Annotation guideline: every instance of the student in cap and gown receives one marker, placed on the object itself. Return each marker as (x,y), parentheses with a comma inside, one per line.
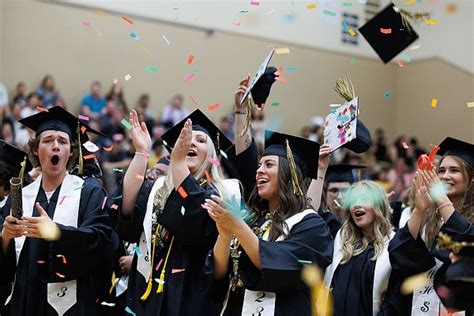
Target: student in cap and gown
(165,217)
(447,209)
(260,273)
(54,273)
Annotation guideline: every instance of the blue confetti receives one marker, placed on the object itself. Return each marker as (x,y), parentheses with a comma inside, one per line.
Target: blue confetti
(138,251)
(134,36)
(128,310)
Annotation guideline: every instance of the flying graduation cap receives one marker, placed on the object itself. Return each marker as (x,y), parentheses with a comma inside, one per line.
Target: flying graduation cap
(389,32)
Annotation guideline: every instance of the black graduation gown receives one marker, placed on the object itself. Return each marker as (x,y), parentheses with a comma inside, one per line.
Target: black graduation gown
(331,220)
(81,246)
(281,264)
(186,292)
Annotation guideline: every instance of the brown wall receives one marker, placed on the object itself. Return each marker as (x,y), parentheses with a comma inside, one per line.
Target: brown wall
(44,38)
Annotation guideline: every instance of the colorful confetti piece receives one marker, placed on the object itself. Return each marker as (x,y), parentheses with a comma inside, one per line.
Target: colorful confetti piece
(255,2)
(282,50)
(405,57)
(414,282)
(329,13)
(159,264)
(189,77)
(347,4)
(86,23)
(410,2)
(103,202)
(281,79)
(108,148)
(62,257)
(114,206)
(117,170)
(305,261)
(193,100)
(351,32)
(311,6)
(431,22)
(60,275)
(151,69)
(41,109)
(434,103)
(400,63)
(177,270)
(213,107)
(138,251)
(275,104)
(127,77)
(182,192)
(167,41)
(90,146)
(91,156)
(107,304)
(387,94)
(386,31)
(83,117)
(40,261)
(405,145)
(126,124)
(213,161)
(190,59)
(353,61)
(223,154)
(128,310)
(127,19)
(291,69)
(134,36)
(415,47)
(470,104)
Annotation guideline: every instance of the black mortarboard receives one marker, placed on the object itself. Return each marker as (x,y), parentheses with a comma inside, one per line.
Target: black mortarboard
(13,156)
(164,160)
(57,119)
(200,123)
(455,147)
(362,142)
(341,173)
(305,152)
(388,44)
(262,82)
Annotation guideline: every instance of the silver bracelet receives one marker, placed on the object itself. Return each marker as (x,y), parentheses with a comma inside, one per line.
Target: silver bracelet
(139,153)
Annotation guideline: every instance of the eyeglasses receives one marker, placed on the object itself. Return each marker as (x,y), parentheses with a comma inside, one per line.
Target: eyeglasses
(336,191)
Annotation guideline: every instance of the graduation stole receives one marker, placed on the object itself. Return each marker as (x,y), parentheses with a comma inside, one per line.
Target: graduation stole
(60,295)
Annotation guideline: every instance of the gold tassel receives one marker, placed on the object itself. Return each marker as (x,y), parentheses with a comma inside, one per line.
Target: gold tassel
(150,279)
(414,17)
(114,281)
(294,176)
(345,88)
(22,170)
(161,284)
(249,116)
(148,289)
(81,162)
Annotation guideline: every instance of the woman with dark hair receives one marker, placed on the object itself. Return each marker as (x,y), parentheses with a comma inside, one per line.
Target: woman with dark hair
(116,94)
(47,91)
(262,266)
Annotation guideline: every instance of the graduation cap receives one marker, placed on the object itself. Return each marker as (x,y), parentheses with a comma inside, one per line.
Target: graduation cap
(454,282)
(341,173)
(455,147)
(389,32)
(299,151)
(261,82)
(13,156)
(200,123)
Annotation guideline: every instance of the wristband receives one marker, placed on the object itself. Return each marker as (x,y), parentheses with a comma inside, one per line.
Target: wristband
(444,205)
(139,153)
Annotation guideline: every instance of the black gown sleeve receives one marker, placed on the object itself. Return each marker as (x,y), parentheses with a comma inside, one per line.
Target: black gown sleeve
(458,227)
(246,164)
(7,260)
(282,261)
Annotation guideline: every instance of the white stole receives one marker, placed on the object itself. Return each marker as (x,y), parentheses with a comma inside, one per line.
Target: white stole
(381,273)
(262,303)
(62,295)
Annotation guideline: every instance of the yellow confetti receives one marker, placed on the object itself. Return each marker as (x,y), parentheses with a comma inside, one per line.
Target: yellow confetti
(434,103)
(431,22)
(415,47)
(410,2)
(351,32)
(414,282)
(470,104)
(282,51)
(311,6)
(320,296)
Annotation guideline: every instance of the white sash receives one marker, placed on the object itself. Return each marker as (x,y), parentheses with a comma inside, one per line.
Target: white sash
(61,296)
(426,301)
(381,273)
(263,303)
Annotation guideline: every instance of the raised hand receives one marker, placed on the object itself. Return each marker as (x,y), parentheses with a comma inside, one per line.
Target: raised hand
(324,152)
(435,186)
(181,148)
(422,199)
(40,226)
(244,83)
(139,133)
(227,223)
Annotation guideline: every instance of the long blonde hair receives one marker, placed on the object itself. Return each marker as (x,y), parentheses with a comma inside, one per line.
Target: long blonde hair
(353,240)
(465,205)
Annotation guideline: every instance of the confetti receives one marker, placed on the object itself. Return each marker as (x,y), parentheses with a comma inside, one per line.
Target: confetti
(151,69)
(108,148)
(470,104)
(387,94)
(213,107)
(282,51)
(167,41)
(83,129)
(103,202)
(90,146)
(114,206)
(330,13)
(353,61)
(40,261)
(60,275)
(115,81)
(236,23)
(410,2)
(255,2)
(127,77)
(208,176)
(434,103)
(193,100)
(190,59)
(117,197)
(244,11)
(138,251)
(223,154)
(347,4)
(414,282)
(134,36)
(128,310)
(39,108)
(345,26)
(311,6)
(275,104)
(386,31)
(127,19)
(213,161)
(83,117)
(405,145)
(291,68)
(62,200)
(406,58)
(159,264)
(400,63)
(305,261)
(351,32)
(126,124)
(117,170)
(159,281)
(189,77)
(177,270)
(415,47)
(431,22)
(86,23)
(140,177)
(281,79)
(107,304)
(451,8)
(62,257)
(182,192)
(87,157)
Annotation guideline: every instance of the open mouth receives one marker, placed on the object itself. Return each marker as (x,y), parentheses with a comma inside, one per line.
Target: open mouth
(359,214)
(262,181)
(55,160)
(192,153)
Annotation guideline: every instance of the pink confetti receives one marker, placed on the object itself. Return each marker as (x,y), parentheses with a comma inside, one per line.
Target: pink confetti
(60,275)
(213,161)
(103,203)
(405,145)
(281,79)
(189,77)
(62,257)
(40,261)
(400,63)
(114,206)
(255,2)
(83,117)
(177,270)
(62,200)
(193,100)
(159,264)
(86,23)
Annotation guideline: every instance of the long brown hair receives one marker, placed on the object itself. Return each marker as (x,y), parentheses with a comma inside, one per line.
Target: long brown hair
(33,145)
(465,205)
(288,203)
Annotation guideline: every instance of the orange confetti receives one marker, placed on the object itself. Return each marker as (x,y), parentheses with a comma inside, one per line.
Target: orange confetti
(208,176)
(39,108)
(281,79)
(177,270)
(190,59)
(386,31)
(83,129)
(182,192)
(213,107)
(60,275)
(400,63)
(127,19)
(62,257)
(91,156)
(193,100)
(108,148)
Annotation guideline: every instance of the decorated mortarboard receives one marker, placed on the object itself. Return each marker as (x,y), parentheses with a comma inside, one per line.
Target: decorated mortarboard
(389,32)
(299,151)
(13,156)
(200,123)
(455,147)
(341,173)
(454,282)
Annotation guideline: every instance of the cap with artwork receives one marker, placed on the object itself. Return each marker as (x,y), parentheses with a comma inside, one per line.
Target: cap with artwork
(455,147)
(341,173)
(389,32)
(200,123)
(13,156)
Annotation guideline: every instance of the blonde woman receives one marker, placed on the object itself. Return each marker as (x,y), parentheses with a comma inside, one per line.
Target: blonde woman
(360,268)
(166,219)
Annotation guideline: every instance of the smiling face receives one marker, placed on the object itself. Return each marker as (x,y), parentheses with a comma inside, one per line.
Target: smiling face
(198,151)
(450,172)
(267,178)
(54,151)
